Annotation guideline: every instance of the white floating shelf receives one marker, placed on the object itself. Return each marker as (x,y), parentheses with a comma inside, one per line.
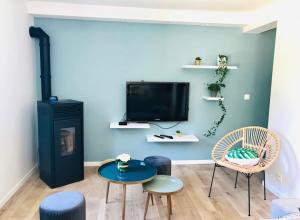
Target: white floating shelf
(208,98)
(183,138)
(206,67)
(129,125)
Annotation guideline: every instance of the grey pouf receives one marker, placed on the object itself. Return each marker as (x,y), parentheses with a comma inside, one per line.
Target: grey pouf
(63,206)
(162,164)
(283,207)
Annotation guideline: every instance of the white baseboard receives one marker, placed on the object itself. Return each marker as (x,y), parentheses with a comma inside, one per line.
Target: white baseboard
(4,200)
(190,162)
(92,163)
(174,162)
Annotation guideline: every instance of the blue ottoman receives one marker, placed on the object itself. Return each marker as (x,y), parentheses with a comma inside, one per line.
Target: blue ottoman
(162,164)
(63,206)
(283,207)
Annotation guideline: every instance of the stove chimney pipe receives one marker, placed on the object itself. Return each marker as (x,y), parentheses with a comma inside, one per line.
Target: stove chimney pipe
(38,33)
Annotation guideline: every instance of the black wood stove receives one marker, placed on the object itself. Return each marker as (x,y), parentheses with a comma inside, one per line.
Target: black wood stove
(60,127)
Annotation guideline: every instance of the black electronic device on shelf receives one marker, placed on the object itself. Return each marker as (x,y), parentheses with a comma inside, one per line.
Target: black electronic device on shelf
(60,127)
(123,123)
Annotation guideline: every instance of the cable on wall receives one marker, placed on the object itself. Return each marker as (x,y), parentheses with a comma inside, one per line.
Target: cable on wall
(177,123)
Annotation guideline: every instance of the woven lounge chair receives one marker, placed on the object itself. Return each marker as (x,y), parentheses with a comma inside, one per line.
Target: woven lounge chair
(265,142)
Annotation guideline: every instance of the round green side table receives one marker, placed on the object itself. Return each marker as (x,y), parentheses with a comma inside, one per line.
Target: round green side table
(162,185)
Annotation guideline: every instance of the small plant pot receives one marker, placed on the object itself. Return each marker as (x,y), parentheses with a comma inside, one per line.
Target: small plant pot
(214,93)
(197,62)
(122,166)
(178,134)
(222,61)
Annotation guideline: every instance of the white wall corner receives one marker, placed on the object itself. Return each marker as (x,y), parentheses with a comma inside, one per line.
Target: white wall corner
(14,189)
(18,118)
(260,27)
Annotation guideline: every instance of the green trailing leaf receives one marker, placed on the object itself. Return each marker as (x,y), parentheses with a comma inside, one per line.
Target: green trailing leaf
(221,71)
(216,86)
(212,131)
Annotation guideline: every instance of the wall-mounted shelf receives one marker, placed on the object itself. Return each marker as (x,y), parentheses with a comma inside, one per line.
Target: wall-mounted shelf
(183,138)
(206,67)
(129,125)
(208,98)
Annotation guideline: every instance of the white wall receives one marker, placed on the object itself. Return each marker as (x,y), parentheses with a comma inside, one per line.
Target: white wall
(133,14)
(17,97)
(284,177)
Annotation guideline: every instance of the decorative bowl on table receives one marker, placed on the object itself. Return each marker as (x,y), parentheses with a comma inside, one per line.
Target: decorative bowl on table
(122,162)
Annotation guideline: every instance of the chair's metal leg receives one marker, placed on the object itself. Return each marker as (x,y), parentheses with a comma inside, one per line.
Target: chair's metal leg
(248,177)
(265,196)
(236,178)
(212,179)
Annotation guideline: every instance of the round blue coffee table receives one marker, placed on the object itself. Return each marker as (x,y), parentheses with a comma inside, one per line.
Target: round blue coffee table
(138,172)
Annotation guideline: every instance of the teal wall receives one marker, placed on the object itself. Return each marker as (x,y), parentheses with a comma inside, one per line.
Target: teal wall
(91,61)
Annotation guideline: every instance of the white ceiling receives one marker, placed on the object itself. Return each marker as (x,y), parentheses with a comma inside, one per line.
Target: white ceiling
(211,5)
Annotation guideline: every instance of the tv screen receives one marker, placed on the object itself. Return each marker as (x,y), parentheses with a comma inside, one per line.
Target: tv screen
(157,101)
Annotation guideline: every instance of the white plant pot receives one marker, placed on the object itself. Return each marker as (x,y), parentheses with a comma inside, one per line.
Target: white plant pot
(214,93)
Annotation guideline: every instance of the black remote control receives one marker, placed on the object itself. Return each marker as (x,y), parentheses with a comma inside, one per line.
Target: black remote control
(158,136)
(167,136)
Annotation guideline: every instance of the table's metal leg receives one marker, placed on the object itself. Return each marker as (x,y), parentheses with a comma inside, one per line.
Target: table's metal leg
(147,204)
(124,201)
(169,206)
(107,191)
(171,211)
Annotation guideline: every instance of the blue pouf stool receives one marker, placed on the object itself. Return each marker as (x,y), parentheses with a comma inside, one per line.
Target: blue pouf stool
(63,206)
(162,164)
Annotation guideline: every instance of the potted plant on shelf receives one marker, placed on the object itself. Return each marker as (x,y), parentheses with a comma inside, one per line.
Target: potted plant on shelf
(198,61)
(222,60)
(215,88)
(122,162)
(178,133)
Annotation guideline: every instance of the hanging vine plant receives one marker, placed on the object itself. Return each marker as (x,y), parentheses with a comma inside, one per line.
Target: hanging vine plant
(215,89)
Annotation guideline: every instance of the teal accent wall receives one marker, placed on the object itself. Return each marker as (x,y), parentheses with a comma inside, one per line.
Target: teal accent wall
(92,60)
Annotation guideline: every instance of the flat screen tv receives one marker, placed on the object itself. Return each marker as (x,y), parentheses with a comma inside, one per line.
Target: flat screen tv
(157,101)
